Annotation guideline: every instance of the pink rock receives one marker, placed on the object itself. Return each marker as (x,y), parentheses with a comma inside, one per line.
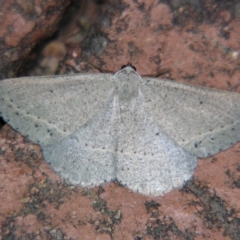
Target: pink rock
(199,46)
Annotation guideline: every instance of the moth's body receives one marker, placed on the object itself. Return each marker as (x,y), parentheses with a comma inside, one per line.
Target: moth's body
(144,132)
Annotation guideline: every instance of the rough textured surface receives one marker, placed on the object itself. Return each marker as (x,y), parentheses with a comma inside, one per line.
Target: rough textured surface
(23,25)
(199,42)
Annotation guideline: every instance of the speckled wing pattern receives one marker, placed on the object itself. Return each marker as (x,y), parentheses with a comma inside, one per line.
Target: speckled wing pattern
(144,132)
(47,109)
(202,120)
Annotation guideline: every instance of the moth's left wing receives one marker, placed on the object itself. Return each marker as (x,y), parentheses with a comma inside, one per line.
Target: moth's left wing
(202,120)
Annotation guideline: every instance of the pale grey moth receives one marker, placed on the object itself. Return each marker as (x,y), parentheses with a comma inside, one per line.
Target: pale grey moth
(144,132)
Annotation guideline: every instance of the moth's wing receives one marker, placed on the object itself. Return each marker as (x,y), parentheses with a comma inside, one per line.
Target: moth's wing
(87,157)
(148,161)
(47,109)
(202,120)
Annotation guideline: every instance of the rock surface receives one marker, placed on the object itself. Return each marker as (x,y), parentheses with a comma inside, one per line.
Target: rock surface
(198,43)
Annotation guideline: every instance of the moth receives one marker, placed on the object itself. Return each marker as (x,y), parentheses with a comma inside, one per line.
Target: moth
(147,133)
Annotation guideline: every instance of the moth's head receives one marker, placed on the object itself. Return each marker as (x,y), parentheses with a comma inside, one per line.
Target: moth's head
(129,65)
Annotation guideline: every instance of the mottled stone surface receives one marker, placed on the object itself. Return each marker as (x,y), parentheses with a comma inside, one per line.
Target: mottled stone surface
(23,25)
(198,43)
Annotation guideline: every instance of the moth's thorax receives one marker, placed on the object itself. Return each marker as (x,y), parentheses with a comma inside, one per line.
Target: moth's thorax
(127,81)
